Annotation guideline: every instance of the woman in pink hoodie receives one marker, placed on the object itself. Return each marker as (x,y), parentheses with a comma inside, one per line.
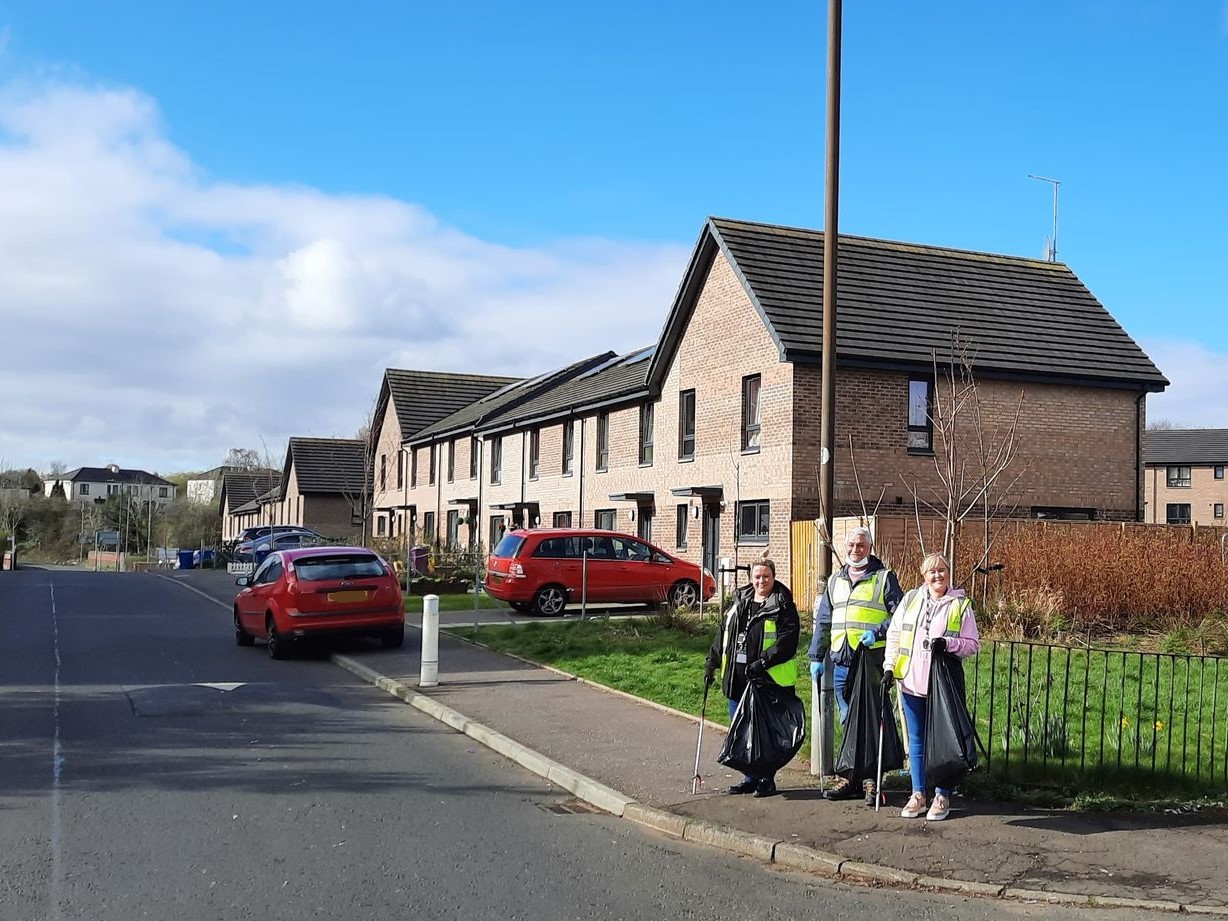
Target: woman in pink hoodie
(933,618)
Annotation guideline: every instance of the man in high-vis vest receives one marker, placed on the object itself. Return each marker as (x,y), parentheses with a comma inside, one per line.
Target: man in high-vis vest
(853,610)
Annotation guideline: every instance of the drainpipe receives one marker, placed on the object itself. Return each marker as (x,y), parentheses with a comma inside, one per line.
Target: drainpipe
(1138,456)
(580,474)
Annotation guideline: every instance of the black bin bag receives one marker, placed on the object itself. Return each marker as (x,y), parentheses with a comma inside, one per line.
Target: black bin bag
(950,737)
(767,730)
(869,707)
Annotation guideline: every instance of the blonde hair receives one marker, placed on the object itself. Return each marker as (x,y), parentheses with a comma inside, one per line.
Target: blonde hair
(932,560)
(764,561)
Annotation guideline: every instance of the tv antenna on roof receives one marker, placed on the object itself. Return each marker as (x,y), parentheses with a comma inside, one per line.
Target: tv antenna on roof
(1050,246)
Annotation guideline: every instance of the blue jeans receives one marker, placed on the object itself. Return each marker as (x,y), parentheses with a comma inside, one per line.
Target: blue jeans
(746,778)
(914,719)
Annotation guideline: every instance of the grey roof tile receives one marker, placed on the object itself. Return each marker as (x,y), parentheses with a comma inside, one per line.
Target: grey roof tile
(1188,447)
(422,398)
(326,464)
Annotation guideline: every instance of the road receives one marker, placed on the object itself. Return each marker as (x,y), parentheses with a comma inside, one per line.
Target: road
(153,769)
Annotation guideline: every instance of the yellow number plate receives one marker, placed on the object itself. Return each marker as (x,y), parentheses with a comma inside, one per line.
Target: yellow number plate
(347,596)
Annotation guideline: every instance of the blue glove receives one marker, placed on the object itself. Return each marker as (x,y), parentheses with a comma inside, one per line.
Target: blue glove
(816,671)
(869,638)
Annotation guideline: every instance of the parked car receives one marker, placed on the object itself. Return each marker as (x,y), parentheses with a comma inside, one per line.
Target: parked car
(279,539)
(543,570)
(319,592)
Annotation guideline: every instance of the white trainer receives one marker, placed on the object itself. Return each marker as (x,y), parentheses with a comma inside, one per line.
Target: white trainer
(915,807)
(939,810)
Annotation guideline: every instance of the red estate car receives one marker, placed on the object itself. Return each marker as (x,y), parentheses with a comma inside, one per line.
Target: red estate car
(319,591)
(542,569)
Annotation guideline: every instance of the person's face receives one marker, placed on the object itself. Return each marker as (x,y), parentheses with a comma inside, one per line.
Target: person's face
(937,579)
(763,580)
(858,547)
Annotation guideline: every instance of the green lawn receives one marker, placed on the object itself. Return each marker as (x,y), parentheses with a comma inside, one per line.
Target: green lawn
(456,603)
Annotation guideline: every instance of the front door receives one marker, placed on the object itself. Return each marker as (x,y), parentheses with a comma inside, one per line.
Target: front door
(712,535)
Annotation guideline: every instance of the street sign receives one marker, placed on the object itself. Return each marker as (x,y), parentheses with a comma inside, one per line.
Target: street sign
(108,538)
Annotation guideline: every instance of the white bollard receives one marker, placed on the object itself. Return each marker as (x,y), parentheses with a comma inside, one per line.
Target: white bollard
(428,674)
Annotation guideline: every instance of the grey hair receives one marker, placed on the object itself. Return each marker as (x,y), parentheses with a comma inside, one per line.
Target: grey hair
(864,532)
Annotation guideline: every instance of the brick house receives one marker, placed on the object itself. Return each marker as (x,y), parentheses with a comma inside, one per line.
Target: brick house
(324,482)
(244,499)
(710,438)
(1185,476)
(95,484)
(408,402)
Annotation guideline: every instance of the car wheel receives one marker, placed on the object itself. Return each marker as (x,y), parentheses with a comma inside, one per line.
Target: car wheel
(242,637)
(684,594)
(393,639)
(278,645)
(550,600)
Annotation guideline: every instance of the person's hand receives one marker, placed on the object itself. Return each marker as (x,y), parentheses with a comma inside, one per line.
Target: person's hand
(816,671)
(888,679)
(869,638)
(709,675)
(938,644)
(757,671)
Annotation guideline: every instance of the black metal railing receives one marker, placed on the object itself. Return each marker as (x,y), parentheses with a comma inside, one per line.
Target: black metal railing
(1058,714)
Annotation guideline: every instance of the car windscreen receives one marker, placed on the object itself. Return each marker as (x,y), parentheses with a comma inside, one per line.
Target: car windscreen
(508,546)
(338,566)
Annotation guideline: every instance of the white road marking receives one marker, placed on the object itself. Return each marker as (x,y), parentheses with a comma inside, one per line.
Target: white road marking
(57,766)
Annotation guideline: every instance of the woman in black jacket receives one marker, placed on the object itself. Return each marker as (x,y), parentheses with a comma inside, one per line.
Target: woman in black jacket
(757,642)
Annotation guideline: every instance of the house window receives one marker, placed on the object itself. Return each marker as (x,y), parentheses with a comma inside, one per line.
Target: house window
(920,425)
(753,521)
(1178,477)
(682,520)
(496,460)
(1219,473)
(429,534)
(686,425)
(646,420)
(383,471)
(430,474)
(604,518)
(1177,513)
(603,441)
(401,469)
(569,446)
(751,389)
(112,489)
(453,528)
(413,467)
(1219,509)
(562,519)
(475,451)
(451,460)
(83,489)
(163,492)
(381,525)
(535,453)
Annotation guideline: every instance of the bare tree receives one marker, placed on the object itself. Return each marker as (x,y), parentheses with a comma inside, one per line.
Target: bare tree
(974,452)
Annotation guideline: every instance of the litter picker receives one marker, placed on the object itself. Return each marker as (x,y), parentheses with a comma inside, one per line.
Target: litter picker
(883,695)
(698,781)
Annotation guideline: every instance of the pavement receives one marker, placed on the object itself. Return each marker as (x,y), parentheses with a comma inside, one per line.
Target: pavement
(636,759)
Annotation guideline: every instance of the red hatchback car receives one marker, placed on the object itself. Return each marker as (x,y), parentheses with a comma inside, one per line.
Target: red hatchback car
(543,569)
(319,591)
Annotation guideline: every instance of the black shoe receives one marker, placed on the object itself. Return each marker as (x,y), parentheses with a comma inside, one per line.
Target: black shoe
(766,787)
(848,791)
(872,797)
(746,786)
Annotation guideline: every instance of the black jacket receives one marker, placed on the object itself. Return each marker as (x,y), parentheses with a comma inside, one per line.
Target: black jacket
(779,605)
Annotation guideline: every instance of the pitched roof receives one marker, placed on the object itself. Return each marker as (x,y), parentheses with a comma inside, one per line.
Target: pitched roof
(421,398)
(1190,447)
(118,475)
(326,464)
(242,487)
(481,414)
(900,303)
(622,378)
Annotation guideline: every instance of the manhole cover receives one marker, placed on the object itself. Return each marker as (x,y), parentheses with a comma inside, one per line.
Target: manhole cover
(568,807)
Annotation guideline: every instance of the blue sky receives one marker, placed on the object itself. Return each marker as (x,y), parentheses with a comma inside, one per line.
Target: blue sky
(323,190)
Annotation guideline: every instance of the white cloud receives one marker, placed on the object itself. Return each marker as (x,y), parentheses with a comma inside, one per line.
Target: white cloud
(156,318)
(1198,393)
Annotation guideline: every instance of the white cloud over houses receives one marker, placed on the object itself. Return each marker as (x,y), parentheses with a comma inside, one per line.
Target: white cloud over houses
(1198,393)
(156,317)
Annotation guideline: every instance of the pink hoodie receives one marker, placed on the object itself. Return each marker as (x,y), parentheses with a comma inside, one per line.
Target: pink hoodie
(968,643)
